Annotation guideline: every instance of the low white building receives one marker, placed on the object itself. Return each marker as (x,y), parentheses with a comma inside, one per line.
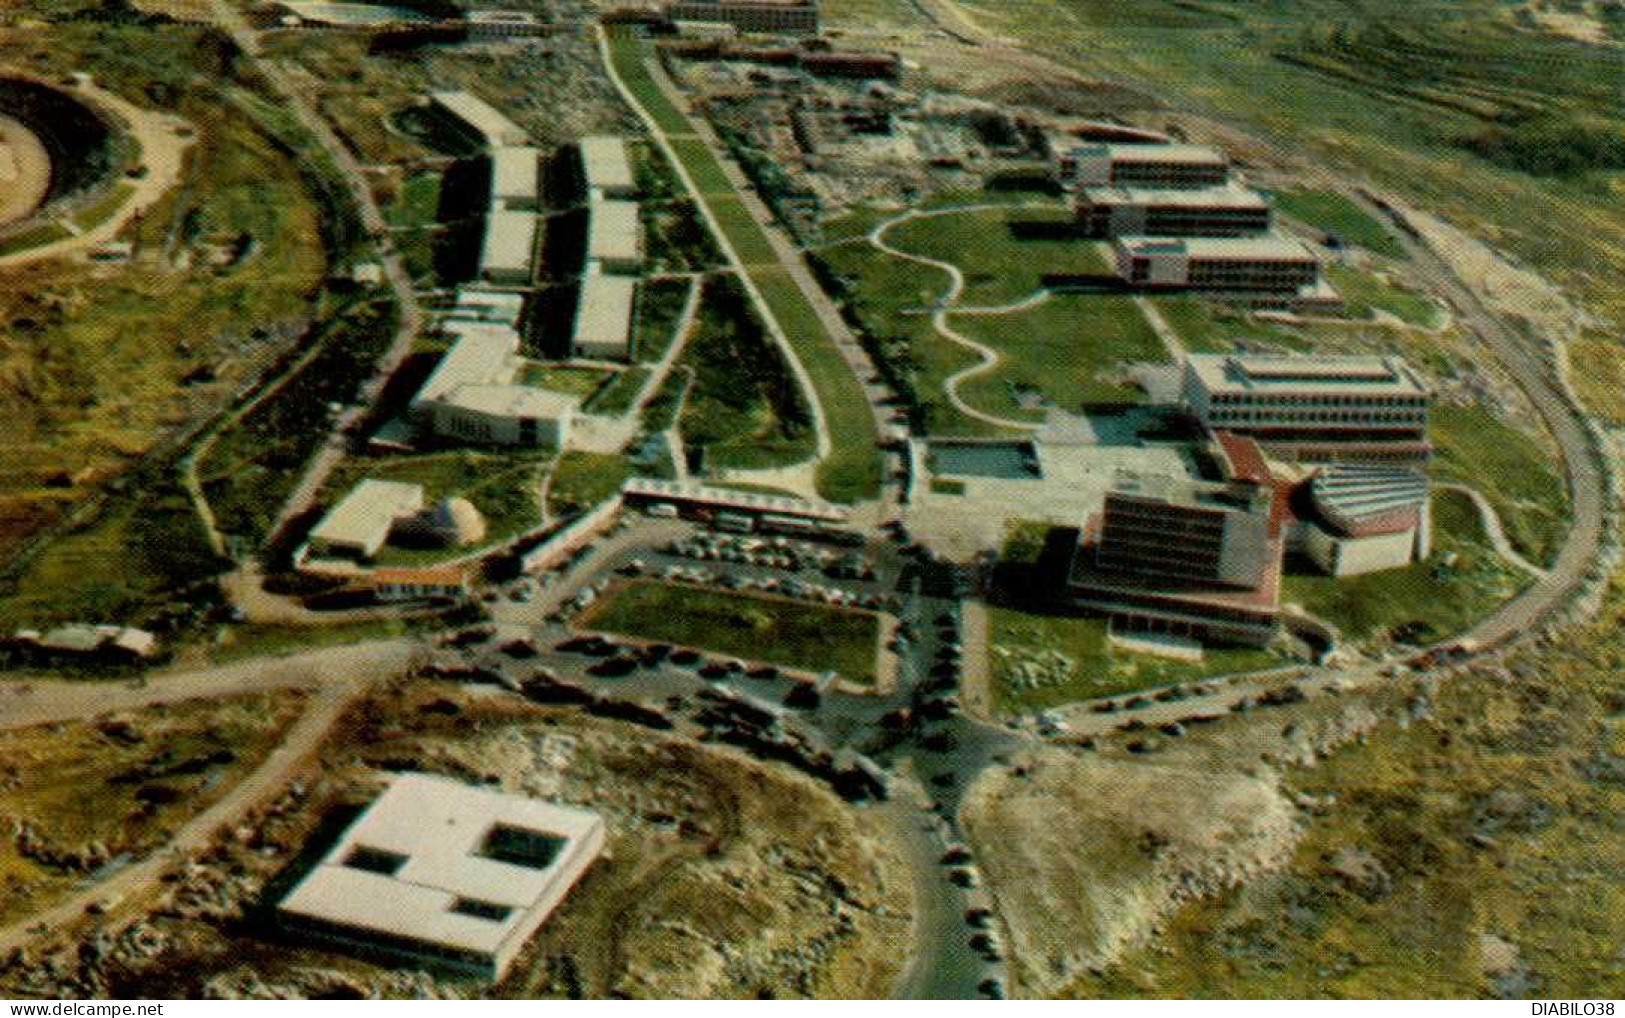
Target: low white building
(359,525)
(516,177)
(443,874)
(1368,518)
(509,253)
(607,167)
(498,307)
(603,325)
(479,118)
(471,395)
(615,236)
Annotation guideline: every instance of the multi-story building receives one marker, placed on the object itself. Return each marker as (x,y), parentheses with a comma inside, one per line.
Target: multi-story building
(1184,558)
(606,167)
(1271,263)
(788,17)
(1100,164)
(471,395)
(1313,407)
(1367,517)
(1228,211)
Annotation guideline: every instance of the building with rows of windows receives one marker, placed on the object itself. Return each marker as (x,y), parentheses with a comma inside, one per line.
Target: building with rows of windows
(790,17)
(1152,166)
(1229,211)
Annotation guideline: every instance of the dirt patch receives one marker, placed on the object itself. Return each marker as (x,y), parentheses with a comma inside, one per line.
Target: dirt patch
(25,171)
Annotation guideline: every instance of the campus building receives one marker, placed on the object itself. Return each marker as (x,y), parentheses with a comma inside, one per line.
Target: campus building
(789,17)
(1315,408)
(1229,211)
(1271,263)
(1184,558)
(508,255)
(471,396)
(516,177)
(478,120)
(442,874)
(606,168)
(614,235)
(360,524)
(1145,166)
(1367,517)
(603,325)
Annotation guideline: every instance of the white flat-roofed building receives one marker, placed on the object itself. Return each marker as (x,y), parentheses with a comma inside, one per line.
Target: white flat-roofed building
(516,176)
(495,413)
(1269,262)
(480,118)
(509,253)
(439,873)
(1099,164)
(496,307)
(603,325)
(1313,407)
(607,167)
(359,525)
(501,24)
(615,236)
(480,354)
(1229,211)
(796,17)
(704,500)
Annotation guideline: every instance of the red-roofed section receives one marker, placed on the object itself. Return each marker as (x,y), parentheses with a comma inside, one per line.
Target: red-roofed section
(1241,458)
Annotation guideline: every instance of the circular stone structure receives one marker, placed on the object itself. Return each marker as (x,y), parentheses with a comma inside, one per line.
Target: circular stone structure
(53,147)
(25,171)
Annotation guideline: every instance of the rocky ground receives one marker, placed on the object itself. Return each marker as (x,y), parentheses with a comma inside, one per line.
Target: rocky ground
(724,877)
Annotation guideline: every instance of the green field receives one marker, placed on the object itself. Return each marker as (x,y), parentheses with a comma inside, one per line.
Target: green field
(794,634)
(1005,253)
(1429,600)
(1064,350)
(660,305)
(1096,669)
(570,380)
(581,480)
(1364,293)
(1477,448)
(852,471)
(745,409)
(1207,326)
(1337,214)
(617,397)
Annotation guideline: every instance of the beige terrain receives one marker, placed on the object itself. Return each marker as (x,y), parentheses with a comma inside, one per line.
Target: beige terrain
(25,171)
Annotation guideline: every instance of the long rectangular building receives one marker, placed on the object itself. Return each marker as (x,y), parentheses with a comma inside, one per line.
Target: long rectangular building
(615,235)
(1203,212)
(516,176)
(603,325)
(508,255)
(479,118)
(789,17)
(606,166)
(1150,166)
(436,872)
(1271,262)
(1313,407)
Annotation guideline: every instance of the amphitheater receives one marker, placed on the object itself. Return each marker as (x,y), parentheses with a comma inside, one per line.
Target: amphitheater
(25,171)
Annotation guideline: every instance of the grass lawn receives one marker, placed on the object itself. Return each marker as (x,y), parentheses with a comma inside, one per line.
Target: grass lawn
(1092,668)
(1429,599)
(572,381)
(1598,375)
(581,480)
(853,223)
(1064,349)
(1207,326)
(1364,293)
(660,304)
(794,634)
(417,203)
(1334,213)
(92,216)
(1005,254)
(853,470)
(616,398)
(1475,447)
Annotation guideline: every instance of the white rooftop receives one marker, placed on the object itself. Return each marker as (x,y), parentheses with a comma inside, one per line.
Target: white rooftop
(1361,375)
(483,354)
(364,515)
(605,162)
(1264,247)
(435,834)
(507,400)
(1118,152)
(498,306)
(480,115)
(1228,196)
(614,232)
(604,312)
(510,241)
(516,172)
